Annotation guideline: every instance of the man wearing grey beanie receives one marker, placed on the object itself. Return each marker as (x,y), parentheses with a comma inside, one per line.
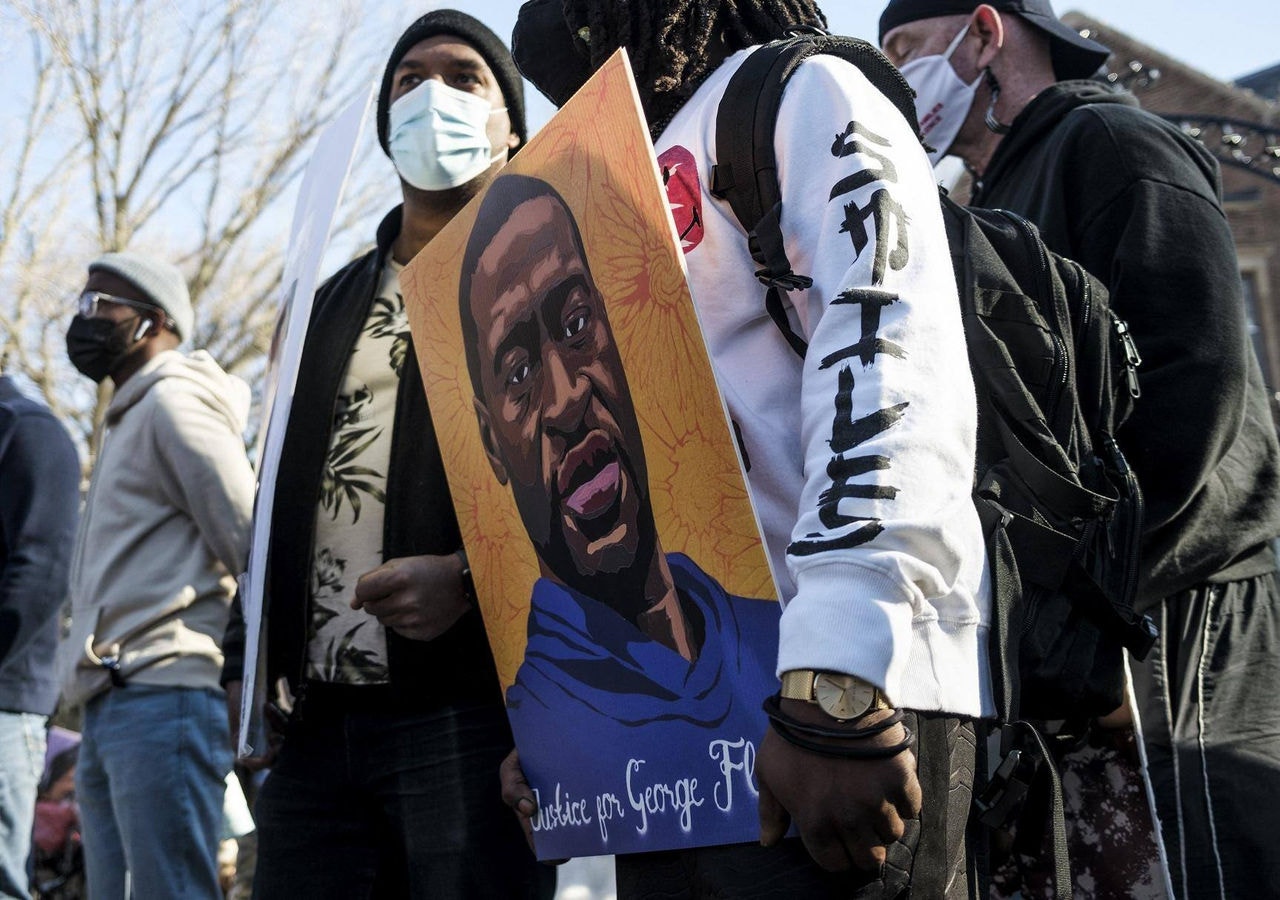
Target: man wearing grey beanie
(165,527)
(385,776)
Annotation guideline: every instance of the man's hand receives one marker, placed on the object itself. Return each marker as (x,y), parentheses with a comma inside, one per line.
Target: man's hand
(275,723)
(517,794)
(1121,717)
(847,810)
(418,597)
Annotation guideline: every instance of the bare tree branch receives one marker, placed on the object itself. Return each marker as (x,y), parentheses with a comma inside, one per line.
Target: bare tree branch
(176,127)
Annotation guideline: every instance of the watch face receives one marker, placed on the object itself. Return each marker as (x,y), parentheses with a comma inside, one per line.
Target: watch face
(843,696)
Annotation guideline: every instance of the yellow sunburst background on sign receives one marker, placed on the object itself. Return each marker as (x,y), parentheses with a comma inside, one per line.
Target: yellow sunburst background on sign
(595,152)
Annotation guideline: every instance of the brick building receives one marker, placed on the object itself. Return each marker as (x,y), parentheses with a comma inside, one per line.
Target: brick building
(1240,124)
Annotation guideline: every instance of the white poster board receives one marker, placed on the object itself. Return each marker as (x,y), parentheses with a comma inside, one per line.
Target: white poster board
(318,197)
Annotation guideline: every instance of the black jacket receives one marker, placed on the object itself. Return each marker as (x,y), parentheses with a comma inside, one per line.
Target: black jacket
(457,666)
(39,505)
(1138,203)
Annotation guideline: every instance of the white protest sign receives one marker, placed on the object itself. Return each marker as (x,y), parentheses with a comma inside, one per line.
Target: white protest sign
(318,197)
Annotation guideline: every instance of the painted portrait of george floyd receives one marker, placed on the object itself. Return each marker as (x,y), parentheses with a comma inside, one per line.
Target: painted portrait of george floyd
(617,560)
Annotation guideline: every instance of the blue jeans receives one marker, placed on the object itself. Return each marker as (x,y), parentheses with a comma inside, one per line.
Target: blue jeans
(22,740)
(386,804)
(150,783)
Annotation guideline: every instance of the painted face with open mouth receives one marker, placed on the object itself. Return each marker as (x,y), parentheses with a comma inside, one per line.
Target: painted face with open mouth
(556,413)
(590,480)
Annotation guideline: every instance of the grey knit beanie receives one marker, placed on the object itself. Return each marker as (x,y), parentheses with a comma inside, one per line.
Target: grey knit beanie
(161,282)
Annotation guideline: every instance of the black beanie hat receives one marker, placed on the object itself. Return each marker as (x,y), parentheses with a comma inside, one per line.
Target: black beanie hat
(1074,56)
(475,33)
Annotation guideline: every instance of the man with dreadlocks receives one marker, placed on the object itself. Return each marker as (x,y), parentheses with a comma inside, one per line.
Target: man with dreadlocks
(859,452)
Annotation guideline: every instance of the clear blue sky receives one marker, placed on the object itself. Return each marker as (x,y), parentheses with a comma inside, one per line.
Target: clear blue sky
(1225,40)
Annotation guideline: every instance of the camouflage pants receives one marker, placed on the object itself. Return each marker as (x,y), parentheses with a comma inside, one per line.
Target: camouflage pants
(1110,835)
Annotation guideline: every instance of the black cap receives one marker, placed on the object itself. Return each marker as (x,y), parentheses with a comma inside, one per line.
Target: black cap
(1074,56)
(475,33)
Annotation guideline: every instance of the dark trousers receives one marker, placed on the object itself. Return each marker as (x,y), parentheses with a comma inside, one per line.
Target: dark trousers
(931,862)
(1209,698)
(381,804)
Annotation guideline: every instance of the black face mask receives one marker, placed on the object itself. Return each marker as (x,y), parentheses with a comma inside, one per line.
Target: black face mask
(547,53)
(97,346)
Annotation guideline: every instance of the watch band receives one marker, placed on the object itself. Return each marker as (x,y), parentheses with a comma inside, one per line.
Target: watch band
(797,684)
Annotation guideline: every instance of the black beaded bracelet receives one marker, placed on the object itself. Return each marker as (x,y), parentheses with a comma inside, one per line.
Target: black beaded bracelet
(846,751)
(773,709)
(798,733)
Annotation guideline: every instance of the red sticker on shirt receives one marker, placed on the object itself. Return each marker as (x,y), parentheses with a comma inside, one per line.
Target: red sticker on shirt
(684,194)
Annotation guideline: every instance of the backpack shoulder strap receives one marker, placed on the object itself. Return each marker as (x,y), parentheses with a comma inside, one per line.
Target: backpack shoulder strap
(746,170)
(745,174)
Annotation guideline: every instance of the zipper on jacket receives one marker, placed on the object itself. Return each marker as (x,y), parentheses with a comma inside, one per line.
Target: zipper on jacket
(1051,413)
(311,540)
(1086,312)
(1131,358)
(1084,346)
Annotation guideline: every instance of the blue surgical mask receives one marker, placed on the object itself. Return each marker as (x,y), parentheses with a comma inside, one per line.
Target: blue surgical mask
(439,136)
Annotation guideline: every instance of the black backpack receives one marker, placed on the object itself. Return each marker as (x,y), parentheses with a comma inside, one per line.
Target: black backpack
(1054,370)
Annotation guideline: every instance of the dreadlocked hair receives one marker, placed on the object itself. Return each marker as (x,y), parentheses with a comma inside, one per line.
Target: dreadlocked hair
(672,43)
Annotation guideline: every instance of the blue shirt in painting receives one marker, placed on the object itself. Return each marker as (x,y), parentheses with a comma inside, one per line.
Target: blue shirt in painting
(629,746)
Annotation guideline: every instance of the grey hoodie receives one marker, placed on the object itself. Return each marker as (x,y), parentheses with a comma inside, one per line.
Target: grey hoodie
(164,529)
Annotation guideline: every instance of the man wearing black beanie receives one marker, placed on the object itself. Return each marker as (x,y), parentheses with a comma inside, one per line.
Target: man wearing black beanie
(384,777)
(1138,203)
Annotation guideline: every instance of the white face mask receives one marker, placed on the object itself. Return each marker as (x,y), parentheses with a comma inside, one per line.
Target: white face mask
(439,136)
(943,101)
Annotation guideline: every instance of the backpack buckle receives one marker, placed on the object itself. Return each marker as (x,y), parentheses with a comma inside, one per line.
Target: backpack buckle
(805,31)
(1142,637)
(1007,790)
(788,281)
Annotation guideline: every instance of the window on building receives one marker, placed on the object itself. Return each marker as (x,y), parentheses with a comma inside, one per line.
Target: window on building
(1249,278)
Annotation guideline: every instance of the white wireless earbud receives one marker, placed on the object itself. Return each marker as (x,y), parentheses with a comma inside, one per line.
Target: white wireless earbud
(144,329)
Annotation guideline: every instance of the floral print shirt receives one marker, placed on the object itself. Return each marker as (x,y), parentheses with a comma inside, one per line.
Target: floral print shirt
(345,645)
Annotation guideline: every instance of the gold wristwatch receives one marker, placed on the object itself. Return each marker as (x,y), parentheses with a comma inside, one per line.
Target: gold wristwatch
(843,697)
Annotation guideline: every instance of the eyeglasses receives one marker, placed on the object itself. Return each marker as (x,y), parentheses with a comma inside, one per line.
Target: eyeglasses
(90,300)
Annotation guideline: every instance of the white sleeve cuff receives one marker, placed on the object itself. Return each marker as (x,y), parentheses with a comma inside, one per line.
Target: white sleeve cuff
(856,621)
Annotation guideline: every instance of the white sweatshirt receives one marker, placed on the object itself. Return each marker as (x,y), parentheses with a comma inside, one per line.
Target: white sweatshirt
(860,460)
